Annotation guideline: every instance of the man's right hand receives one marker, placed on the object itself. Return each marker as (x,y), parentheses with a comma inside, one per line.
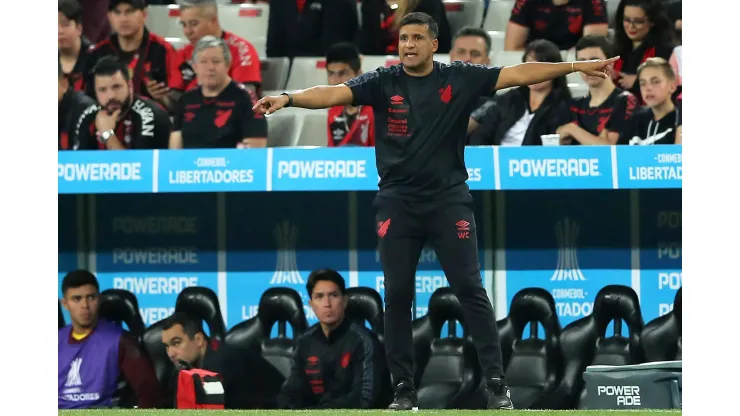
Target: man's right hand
(270,104)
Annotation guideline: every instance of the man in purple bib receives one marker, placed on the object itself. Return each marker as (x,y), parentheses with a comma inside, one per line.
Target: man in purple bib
(94,353)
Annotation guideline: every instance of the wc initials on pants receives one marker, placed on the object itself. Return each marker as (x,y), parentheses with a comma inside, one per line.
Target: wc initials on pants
(463,229)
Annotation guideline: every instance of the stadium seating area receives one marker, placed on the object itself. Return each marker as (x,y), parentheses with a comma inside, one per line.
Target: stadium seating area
(544,369)
(297,127)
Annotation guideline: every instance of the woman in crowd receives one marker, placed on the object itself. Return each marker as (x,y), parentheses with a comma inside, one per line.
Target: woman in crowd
(519,116)
(643,31)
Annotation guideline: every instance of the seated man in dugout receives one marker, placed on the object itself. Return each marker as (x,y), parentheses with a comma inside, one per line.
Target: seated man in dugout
(249,381)
(338,364)
(95,354)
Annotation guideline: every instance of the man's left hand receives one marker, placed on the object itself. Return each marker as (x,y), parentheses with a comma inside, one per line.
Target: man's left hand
(596,67)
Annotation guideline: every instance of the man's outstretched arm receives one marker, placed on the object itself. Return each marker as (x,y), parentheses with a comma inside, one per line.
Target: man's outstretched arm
(322,96)
(535,72)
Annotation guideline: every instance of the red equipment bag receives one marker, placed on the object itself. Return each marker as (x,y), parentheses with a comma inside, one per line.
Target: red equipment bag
(199,389)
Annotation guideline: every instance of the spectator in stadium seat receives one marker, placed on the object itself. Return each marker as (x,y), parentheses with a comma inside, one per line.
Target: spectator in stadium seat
(519,116)
(249,381)
(71,104)
(600,116)
(347,125)
(95,353)
(380,18)
(309,27)
(73,47)
(562,22)
(200,18)
(472,44)
(120,119)
(153,63)
(338,364)
(643,31)
(659,121)
(219,112)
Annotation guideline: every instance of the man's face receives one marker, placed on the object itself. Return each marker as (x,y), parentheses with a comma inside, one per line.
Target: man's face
(470,49)
(416,46)
(82,303)
(180,347)
(587,54)
(210,67)
(339,72)
(328,303)
(656,88)
(195,25)
(112,91)
(69,31)
(126,20)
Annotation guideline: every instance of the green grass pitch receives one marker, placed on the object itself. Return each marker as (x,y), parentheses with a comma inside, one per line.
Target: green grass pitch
(142,412)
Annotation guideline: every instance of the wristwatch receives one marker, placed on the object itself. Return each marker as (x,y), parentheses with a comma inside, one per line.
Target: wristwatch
(290,99)
(104,136)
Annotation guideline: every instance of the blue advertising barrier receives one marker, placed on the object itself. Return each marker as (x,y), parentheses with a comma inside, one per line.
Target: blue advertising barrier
(218,225)
(353,169)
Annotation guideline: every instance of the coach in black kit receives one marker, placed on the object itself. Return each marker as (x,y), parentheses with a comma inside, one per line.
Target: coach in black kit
(421,112)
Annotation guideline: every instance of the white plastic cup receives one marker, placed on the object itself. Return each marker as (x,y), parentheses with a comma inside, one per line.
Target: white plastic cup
(550,139)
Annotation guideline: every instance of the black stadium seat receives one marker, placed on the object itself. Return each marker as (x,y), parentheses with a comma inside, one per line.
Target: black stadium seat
(202,302)
(121,306)
(450,373)
(281,306)
(661,338)
(366,305)
(151,341)
(534,366)
(585,342)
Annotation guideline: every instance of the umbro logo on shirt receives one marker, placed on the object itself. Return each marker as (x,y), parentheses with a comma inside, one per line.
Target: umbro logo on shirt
(396,99)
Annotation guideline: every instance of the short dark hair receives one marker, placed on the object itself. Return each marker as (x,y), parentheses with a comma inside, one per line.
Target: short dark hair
(79,278)
(419,18)
(136,4)
(344,53)
(596,41)
(190,325)
(330,275)
(474,31)
(109,65)
(71,9)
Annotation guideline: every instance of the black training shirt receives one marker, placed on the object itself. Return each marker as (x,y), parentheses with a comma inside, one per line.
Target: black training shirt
(613,114)
(345,370)
(562,25)
(421,126)
(644,129)
(222,121)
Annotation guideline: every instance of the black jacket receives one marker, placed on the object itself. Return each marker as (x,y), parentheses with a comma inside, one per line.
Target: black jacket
(249,381)
(495,118)
(70,108)
(321,24)
(344,371)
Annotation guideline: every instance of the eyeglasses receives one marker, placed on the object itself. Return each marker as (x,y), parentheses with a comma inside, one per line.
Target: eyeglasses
(634,22)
